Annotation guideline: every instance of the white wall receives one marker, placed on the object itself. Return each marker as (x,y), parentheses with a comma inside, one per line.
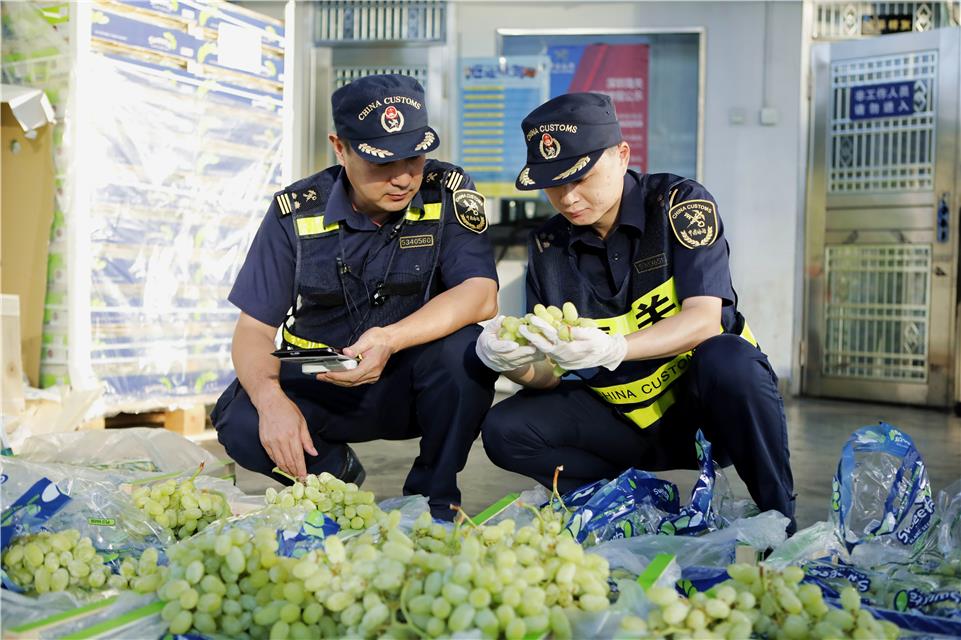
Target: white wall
(752,170)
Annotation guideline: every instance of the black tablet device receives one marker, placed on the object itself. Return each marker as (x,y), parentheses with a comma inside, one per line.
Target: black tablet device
(317,360)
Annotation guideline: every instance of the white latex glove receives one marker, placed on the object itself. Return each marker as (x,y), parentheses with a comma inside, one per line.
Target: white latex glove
(588,348)
(503,355)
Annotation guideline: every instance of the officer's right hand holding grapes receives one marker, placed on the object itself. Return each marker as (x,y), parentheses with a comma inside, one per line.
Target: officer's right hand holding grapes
(501,354)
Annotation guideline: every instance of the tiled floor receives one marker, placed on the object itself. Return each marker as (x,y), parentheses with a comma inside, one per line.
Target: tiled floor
(818,429)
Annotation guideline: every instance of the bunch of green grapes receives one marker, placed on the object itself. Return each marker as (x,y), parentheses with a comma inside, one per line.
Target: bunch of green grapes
(66,561)
(213,579)
(502,580)
(561,319)
(143,575)
(757,602)
(234,583)
(181,506)
(46,562)
(339,500)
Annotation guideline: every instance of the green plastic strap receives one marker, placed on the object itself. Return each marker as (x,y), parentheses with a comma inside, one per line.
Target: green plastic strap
(117,623)
(64,615)
(496,508)
(280,472)
(654,570)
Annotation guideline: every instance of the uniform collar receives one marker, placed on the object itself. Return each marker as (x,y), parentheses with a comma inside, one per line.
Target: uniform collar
(339,208)
(631,213)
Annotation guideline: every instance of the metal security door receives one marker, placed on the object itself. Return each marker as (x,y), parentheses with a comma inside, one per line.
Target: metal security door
(882,219)
(356,38)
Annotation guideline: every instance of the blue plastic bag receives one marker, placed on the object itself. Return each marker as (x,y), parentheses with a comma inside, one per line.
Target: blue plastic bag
(881,497)
(698,515)
(31,510)
(638,502)
(315,528)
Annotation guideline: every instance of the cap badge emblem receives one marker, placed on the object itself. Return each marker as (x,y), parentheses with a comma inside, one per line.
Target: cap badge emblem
(392,119)
(549,147)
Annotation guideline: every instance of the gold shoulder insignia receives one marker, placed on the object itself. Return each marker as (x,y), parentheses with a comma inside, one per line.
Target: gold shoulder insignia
(694,223)
(469,210)
(285,203)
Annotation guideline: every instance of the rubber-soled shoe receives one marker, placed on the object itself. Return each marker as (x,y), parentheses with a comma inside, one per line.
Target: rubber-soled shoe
(353,470)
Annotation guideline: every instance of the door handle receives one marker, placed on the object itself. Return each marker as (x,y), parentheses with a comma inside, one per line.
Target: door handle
(942,219)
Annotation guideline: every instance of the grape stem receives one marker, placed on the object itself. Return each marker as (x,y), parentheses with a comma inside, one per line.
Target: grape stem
(463,516)
(556,493)
(200,468)
(532,509)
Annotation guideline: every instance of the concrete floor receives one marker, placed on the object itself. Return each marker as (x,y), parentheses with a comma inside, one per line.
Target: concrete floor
(817,431)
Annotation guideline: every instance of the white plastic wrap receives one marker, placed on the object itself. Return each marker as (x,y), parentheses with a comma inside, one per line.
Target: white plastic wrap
(183,176)
(158,194)
(135,449)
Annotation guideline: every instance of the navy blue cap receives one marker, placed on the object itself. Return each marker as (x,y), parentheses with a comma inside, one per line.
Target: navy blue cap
(565,136)
(384,117)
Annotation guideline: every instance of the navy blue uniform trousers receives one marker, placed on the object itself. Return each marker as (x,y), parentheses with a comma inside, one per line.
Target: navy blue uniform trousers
(729,391)
(438,391)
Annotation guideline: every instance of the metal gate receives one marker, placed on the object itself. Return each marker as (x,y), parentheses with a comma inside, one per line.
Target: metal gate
(882,219)
(356,38)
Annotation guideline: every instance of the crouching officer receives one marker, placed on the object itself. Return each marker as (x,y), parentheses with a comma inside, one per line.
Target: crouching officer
(645,255)
(384,256)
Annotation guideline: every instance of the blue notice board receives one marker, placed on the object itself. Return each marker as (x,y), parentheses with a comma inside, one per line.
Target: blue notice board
(495,95)
(887,100)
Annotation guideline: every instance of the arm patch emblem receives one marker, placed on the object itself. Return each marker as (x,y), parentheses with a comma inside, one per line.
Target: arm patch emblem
(469,210)
(694,223)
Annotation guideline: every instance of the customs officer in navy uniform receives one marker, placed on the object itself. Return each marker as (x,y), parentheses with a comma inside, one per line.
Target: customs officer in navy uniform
(386,257)
(646,256)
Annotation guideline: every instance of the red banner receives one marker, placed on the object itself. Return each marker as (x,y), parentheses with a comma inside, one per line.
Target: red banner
(620,71)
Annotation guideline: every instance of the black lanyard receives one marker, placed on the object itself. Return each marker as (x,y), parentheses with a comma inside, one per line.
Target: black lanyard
(375,298)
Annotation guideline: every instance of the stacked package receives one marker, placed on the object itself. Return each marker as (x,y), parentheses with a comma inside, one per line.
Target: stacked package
(161,188)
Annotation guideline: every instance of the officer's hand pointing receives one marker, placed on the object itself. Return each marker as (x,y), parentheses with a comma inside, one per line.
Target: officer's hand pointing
(588,348)
(284,435)
(374,349)
(503,355)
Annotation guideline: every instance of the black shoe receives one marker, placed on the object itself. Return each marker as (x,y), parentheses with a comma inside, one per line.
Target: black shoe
(353,470)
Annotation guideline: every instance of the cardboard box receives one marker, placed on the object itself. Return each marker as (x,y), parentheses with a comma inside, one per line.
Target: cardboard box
(26,210)
(10,357)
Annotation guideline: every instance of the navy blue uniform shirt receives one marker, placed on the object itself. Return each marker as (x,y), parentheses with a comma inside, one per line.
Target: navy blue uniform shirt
(607,262)
(265,283)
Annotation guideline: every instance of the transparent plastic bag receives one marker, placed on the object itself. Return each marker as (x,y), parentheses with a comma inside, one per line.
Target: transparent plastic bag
(96,507)
(713,549)
(881,503)
(128,615)
(948,537)
(817,541)
(139,449)
(410,507)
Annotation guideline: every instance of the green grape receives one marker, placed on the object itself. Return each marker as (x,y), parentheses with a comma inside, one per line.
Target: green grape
(181,623)
(515,629)
(675,612)
(850,599)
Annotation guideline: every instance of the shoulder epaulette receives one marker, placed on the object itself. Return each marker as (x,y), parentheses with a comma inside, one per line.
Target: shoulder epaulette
(555,231)
(305,194)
